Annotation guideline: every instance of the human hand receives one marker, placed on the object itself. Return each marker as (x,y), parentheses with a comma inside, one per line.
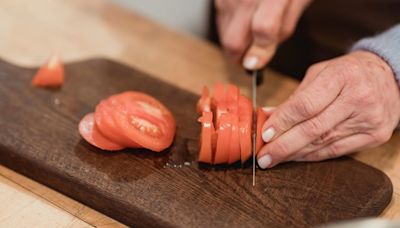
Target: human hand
(343,105)
(250,30)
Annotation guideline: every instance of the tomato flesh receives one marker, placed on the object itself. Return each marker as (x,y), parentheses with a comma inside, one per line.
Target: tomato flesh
(50,74)
(206,138)
(223,139)
(245,126)
(89,131)
(204,104)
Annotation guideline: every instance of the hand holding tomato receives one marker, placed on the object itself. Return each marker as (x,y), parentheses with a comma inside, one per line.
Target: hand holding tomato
(252,29)
(343,105)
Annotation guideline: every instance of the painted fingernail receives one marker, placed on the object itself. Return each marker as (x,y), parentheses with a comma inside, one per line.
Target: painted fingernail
(268,109)
(250,62)
(264,162)
(268,134)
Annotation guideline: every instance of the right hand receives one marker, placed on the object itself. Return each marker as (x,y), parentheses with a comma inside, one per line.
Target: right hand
(250,30)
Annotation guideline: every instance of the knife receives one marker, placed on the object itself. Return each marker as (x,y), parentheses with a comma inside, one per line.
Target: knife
(257,77)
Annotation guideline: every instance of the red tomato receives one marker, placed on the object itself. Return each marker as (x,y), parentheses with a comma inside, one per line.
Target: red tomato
(89,131)
(223,139)
(261,118)
(204,104)
(219,102)
(144,120)
(206,138)
(51,74)
(245,126)
(234,145)
(105,122)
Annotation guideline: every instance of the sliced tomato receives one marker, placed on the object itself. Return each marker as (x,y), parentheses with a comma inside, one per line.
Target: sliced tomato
(105,122)
(223,139)
(234,145)
(206,138)
(89,131)
(232,97)
(204,104)
(219,102)
(144,120)
(50,74)
(245,126)
(261,118)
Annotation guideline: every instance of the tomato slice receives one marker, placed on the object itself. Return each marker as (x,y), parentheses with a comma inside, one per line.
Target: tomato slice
(223,139)
(206,138)
(219,102)
(89,131)
(204,104)
(232,97)
(261,118)
(105,122)
(50,74)
(234,145)
(144,120)
(245,126)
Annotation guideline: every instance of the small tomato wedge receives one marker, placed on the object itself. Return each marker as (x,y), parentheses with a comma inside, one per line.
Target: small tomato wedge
(144,120)
(261,118)
(223,139)
(204,104)
(206,138)
(50,74)
(89,131)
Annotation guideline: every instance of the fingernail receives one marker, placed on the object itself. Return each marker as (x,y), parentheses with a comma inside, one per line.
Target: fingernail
(264,161)
(268,109)
(268,134)
(250,62)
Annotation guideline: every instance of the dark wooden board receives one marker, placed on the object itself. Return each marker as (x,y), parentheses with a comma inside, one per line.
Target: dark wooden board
(39,138)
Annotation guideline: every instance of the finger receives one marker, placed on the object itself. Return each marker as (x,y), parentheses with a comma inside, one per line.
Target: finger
(304,105)
(265,27)
(236,37)
(339,148)
(292,15)
(303,134)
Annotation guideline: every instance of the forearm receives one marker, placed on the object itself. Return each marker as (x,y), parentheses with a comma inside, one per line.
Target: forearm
(387,46)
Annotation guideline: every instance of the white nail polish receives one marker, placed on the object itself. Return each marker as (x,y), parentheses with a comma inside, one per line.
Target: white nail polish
(268,134)
(250,62)
(264,162)
(268,109)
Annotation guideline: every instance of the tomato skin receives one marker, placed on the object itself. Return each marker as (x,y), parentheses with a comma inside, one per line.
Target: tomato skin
(50,74)
(89,131)
(206,138)
(138,109)
(234,145)
(245,126)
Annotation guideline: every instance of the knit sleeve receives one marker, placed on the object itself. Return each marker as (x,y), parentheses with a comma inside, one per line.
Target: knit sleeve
(386,45)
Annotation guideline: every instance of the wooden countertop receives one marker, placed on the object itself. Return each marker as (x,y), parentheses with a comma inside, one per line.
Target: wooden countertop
(31,30)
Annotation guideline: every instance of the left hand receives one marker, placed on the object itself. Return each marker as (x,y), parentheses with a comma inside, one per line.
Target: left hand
(343,105)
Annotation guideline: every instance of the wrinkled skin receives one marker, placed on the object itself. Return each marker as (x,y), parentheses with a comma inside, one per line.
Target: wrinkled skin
(343,105)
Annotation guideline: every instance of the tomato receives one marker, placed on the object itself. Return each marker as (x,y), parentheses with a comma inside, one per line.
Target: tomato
(89,131)
(245,126)
(219,102)
(50,74)
(206,138)
(234,145)
(261,118)
(223,139)
(144,120)
(106,124)
(204,104)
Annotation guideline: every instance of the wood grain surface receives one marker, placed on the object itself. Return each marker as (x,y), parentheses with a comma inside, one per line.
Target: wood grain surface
(170,189)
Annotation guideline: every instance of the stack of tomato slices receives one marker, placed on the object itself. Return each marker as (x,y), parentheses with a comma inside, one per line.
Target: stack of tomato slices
(129,120)
(226,125)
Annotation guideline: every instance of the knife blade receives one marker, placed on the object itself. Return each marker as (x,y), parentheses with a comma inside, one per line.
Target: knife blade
(256,80)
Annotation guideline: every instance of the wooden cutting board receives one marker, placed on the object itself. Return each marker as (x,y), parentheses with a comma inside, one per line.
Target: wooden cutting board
(39,138)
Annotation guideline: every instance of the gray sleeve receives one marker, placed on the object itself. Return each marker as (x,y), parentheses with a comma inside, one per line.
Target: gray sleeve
(386,45)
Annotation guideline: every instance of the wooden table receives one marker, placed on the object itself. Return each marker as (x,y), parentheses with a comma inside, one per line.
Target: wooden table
(31,30)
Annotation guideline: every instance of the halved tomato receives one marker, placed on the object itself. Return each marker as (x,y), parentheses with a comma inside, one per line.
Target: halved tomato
(206,138)
(144,120)
(89,131)
(50,74)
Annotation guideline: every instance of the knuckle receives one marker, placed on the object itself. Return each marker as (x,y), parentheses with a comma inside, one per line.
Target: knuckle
(232,45)
(313,128)
(333,151)
(281,149)
(265,29)
(304,107)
